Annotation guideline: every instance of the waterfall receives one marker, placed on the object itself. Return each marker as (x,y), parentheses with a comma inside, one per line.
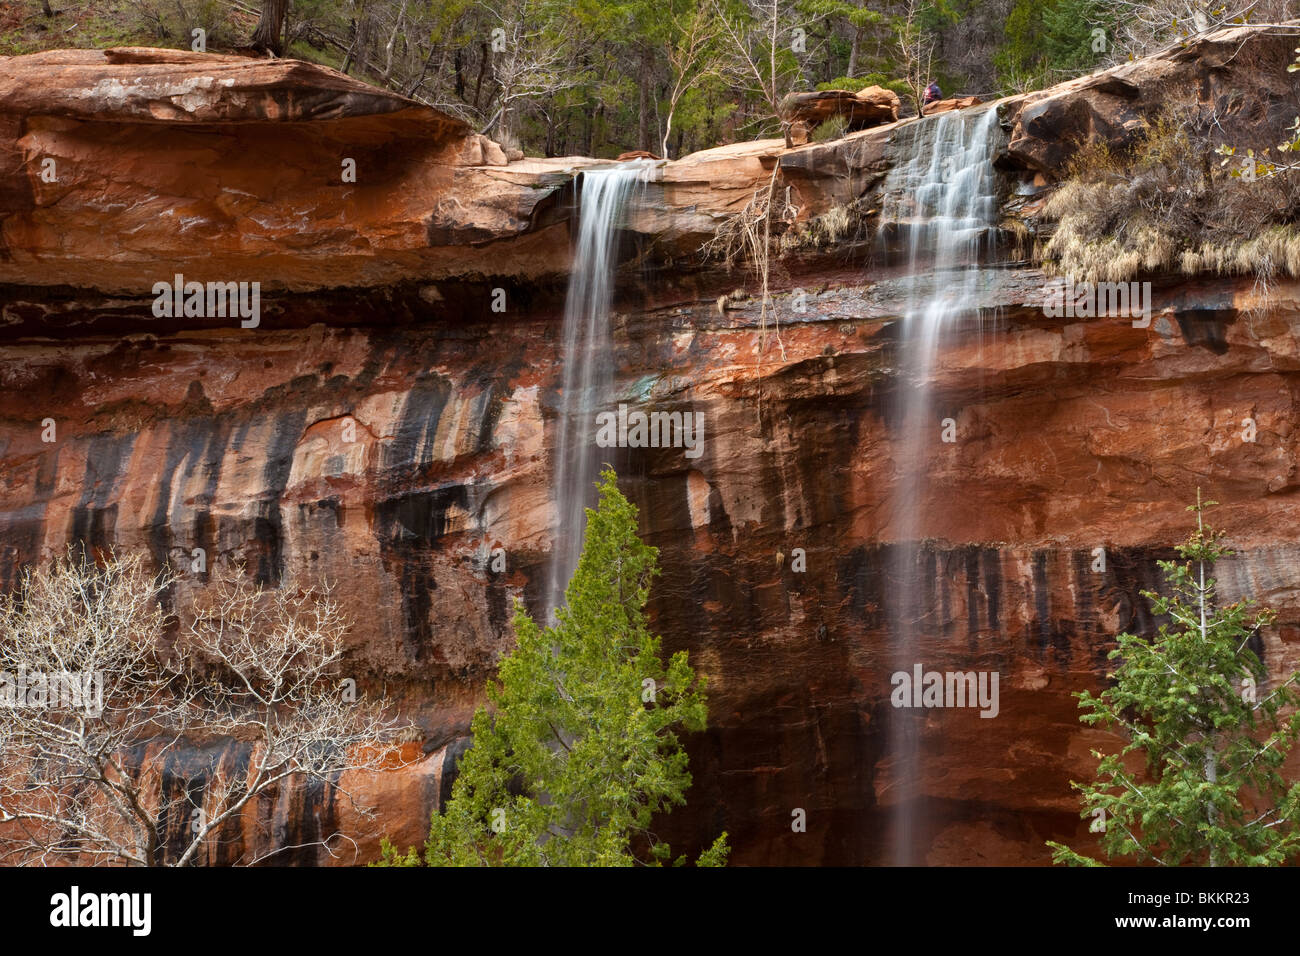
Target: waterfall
(941,200)
(588,360)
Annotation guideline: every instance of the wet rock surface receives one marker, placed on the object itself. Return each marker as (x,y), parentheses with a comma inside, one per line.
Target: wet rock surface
(1072,436)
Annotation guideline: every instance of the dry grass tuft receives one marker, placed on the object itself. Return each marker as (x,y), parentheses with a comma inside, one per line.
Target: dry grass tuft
(1167,205)
(838,224)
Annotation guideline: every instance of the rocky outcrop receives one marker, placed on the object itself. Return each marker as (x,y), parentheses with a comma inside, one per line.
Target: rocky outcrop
(140,164)
(122,168)
(1237,77)
(802,113)
(170,87)
(1074,435)
(948,105)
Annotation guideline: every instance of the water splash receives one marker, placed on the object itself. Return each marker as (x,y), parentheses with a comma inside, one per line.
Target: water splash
(942,201)
(588,361)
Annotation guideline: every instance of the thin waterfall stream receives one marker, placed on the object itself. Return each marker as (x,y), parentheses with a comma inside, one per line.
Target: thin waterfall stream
(588,374)
(942,201)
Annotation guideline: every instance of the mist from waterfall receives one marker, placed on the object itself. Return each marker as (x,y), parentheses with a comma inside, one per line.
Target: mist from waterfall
(603,195)
(941,201)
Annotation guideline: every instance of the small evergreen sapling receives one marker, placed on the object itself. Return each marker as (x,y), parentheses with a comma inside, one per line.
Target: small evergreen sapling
(1194,704)
(581,749)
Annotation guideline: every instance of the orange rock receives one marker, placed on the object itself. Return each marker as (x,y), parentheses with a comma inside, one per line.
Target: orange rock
(872,106)
(947,106)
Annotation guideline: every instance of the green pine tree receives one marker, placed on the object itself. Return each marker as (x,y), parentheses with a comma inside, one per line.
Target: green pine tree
(1194,706)
(1048,41)
(581,749)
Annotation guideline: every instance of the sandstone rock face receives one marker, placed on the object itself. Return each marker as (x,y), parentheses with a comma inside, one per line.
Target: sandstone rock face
(122,168)
(1238,75)
(947,106)
(281,172)
(371,190)
(1074,435)
(870,106)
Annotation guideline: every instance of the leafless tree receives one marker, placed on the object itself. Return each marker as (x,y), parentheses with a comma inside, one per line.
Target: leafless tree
(689,59)
(528,62)
(759,50)
(916,50)
(81,759)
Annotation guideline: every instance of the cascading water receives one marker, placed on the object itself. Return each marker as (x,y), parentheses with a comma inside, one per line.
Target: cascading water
(942,202)
(588,363)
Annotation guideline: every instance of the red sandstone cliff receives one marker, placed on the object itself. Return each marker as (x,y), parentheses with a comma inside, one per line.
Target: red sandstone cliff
(1075,434)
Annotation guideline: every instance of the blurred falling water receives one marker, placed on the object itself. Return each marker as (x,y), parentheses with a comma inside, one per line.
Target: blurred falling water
(588,364)
(942,201)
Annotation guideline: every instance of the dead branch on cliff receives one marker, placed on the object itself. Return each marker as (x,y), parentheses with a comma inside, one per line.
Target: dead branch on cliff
(747,237)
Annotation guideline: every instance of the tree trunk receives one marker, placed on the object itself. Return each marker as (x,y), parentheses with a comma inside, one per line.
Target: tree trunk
(482,68)
(643,118)
(591,131)
(853,54)
(504,135)
(1211,812)
(392,42)
(347,57)
(269,34)
(45,8)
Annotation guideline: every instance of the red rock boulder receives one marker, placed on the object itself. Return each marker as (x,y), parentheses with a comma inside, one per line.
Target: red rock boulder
(871,106)
(947,106)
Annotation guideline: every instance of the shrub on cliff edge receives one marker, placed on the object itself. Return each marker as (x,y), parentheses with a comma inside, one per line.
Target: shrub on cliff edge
(1196,709)
(1166,205)
(582,747)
